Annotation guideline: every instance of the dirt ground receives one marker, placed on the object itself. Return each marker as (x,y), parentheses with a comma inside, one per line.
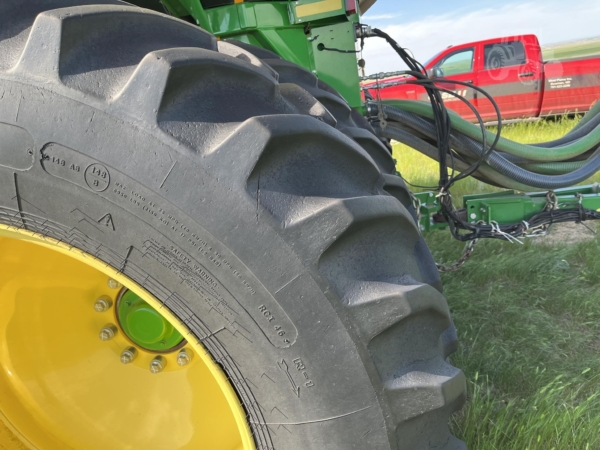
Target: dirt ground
(569,233)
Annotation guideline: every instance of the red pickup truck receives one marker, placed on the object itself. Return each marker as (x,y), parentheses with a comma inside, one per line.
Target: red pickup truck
(511,70)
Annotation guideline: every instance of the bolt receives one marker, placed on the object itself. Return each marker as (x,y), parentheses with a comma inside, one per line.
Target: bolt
(184,357)
(158,364)
(128,355)
(108,332)
(473,216)
(113,284)
(102,304)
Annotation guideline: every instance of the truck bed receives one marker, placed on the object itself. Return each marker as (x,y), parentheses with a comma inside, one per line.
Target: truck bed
(570,85)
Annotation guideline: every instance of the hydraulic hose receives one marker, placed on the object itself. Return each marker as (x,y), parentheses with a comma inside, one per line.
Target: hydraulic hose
(420,124)
(552,176)
(529,152)
(413,141)
(591,114)
(485,173)
(573,135)
(516,173)
(552,168)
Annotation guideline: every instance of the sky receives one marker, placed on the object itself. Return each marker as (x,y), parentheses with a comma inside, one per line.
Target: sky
(427,26)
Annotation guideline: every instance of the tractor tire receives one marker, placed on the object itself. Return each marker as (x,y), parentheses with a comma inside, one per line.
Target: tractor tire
(184,163)
(348,120)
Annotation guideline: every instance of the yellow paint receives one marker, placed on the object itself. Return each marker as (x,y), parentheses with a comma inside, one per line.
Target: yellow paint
(61,387)
(318,7)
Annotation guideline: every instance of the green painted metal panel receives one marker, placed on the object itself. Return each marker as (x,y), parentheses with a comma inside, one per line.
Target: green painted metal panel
(508,207)
(293,30)
(332,64)
(430,206)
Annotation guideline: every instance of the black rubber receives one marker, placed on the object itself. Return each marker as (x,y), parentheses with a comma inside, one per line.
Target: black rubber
(233,198)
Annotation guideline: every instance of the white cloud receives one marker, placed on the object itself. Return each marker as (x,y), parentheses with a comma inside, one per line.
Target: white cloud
(367,18)
(551,20)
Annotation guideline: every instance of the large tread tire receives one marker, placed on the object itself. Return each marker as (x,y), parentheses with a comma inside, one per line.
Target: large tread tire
(348,120)
(230,194)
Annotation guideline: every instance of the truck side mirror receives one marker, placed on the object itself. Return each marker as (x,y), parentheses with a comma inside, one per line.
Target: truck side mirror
(436,72)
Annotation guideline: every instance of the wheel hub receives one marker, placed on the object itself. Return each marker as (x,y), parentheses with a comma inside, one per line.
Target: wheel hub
(145,326)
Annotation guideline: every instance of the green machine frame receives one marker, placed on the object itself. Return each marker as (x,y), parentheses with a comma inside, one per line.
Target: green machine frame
(318,35)
(506,207)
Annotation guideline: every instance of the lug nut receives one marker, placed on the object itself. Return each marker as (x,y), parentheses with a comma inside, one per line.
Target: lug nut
(128,355)
(108,332)
(184,357)
(103,304)
(158,364)
(113,284)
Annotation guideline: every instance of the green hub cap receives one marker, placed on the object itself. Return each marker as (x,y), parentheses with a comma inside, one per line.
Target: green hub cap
(145,326)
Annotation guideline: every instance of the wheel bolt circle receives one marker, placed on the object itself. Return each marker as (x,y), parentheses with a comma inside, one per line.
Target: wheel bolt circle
(184,357)
(158,364)
(108,332)
(102,304)
(128,355)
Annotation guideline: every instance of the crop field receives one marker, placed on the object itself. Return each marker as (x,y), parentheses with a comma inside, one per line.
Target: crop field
(577,49)
(528,321)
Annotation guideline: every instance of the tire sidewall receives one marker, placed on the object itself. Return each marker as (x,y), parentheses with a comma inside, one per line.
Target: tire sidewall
(196,242)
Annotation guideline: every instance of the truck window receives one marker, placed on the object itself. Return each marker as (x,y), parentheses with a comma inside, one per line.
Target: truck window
(458,62)
(504,54)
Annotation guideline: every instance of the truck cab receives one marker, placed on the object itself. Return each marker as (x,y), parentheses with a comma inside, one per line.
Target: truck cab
(510,69)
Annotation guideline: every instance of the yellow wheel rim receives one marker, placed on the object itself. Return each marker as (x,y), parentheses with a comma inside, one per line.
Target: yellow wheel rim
(61,386)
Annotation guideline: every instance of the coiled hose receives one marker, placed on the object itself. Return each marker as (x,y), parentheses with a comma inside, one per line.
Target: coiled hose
(562,152)
(550,165)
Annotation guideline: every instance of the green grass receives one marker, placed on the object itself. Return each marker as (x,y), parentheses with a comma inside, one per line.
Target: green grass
(572,50)
(528,320)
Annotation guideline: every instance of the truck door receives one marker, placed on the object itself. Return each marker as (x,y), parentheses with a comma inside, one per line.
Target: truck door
(458,65)
(512,78)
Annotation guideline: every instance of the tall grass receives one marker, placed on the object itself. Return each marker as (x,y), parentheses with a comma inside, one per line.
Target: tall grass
(528,321)
(554,417)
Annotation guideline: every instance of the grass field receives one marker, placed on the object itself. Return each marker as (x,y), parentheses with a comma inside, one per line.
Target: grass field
(528,320)
(578,49)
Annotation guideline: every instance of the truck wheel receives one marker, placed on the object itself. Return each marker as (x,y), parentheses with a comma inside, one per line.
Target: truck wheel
(194,257)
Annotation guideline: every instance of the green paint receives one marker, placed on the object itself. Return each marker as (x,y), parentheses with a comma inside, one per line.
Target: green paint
(144,325)
(429,207)
(508,207)
(276,26)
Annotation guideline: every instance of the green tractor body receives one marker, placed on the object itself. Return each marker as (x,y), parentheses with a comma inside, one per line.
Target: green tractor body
(317,35)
